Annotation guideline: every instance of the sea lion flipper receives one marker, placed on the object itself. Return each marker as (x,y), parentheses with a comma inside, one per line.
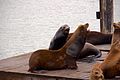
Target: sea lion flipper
(75,48)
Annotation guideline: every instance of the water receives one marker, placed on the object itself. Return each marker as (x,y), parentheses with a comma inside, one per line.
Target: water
(28,25)
(116,10)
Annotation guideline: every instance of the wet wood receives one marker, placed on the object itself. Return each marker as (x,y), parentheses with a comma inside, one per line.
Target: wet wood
(15,68)
(106,15)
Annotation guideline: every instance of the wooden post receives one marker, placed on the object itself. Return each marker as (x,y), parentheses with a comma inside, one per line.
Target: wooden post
(106,15)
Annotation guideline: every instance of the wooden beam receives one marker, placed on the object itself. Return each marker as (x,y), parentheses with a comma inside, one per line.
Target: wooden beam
(106,15)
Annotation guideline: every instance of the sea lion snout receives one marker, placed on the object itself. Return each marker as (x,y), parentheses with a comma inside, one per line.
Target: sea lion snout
(86,25)
(83,27)
(66,28)
(116,25)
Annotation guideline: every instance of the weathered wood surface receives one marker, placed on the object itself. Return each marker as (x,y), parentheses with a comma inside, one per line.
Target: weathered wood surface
(15,68)
(106,15)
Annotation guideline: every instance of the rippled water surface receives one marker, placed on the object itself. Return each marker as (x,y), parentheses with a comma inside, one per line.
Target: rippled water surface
(28,25)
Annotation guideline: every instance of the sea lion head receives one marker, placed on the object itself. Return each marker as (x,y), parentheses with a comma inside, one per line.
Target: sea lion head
(59,38)
(116,33)
(96,73)
(83,28)
(116,25)
(65,29)
(62,31)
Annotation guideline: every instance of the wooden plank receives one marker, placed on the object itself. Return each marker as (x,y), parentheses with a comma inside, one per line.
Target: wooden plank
(19,65)
(15,68)
(106,15)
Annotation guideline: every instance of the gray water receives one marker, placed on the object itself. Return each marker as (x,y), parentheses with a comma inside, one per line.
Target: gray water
(29,25)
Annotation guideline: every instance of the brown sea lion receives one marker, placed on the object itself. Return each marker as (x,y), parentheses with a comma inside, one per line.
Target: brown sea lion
(97,38)
(56,59)
(110,67)
(59,38)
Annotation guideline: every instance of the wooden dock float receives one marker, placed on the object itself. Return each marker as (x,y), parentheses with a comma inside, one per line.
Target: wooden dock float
(15,68)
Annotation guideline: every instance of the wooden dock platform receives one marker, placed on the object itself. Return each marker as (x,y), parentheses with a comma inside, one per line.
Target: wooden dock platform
(15,68)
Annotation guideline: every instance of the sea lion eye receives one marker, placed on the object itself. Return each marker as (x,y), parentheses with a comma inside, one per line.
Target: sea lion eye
(64,27)
(61,28)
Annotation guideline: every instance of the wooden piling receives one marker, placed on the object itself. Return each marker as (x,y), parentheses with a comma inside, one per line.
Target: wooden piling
(106,15)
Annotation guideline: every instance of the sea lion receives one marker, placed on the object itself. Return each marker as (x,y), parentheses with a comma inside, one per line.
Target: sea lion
(110,67)
(97,38)
(56,59)
(59,38)
(88,50)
